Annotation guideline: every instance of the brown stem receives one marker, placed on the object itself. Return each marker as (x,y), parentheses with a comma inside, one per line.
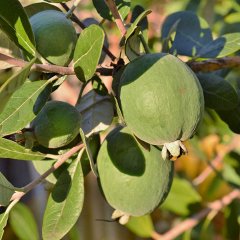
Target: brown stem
(83,26)
(211,65)
(118,20)
(191,222)
(62,159)
(51,68)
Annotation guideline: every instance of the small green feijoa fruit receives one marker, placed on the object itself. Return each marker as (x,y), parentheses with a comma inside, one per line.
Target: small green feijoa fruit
(134,180)
(55,36)
(56,125)
(162,101)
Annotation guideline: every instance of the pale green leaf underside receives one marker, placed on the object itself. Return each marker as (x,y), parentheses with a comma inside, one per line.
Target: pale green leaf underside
(19,109)
(10,149)
(65,203)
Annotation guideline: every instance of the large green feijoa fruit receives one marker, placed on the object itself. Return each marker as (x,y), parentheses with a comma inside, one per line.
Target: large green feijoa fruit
(55,36)
(162,101)
(133,180)
(56,125)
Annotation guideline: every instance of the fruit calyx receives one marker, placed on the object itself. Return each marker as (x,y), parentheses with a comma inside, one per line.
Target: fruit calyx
(173,150)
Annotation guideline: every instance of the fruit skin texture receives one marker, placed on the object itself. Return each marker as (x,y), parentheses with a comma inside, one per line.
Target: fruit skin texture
(56,125)
(133,180)
(55,36)
(161,99)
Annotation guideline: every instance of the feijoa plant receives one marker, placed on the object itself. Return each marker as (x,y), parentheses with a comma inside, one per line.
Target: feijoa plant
(157,101)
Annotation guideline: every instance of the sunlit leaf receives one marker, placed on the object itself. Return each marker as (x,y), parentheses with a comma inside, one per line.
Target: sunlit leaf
(14,21)
(88,51)
(65,203)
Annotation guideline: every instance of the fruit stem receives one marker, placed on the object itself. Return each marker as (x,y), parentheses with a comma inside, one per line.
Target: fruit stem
(144,43)
(71,10)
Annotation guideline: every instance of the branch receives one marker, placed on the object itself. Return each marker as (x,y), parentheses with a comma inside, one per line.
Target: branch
(191,222)
(51,68)
(214,64)
(83,26)
(216,161)
(118,20)
(62,159)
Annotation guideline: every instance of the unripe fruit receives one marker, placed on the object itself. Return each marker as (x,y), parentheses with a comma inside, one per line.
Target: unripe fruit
(56,125)
(162,101)
(55,36)
(134,180)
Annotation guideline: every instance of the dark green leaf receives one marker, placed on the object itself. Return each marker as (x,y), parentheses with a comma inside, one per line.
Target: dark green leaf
(96,111)
(141,226)
(6,190)
(13,83)
(14,21)
(218,93)
(88,51)
(65,202)
(4,217)
(143,24)
(232,118)
(123,7)
(221,47)
(183,198)
(19,109)
(23,223)
(10,149)
(192,33)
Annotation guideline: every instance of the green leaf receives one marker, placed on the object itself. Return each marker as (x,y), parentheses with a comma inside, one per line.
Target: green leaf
(89,153)
(123,7)
(218,93)
(221,47)
(133,48)
(57,1)
(141,226)
(23,223)
(4,217)
(14,83)
(183,198)
(10,149)
(19,109)
(14,21)
(232,118)
(6,190)
(133,26)
(96,111)
(88,51)
(190,35)
(65,202)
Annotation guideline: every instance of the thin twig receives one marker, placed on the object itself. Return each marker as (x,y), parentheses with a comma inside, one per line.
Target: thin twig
(51,68)
(191,222)
(118,20)
(216,161)
(62,159)
(83,26)
(211,65)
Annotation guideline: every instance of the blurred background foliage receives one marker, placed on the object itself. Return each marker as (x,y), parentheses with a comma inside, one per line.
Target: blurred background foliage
(214,151)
